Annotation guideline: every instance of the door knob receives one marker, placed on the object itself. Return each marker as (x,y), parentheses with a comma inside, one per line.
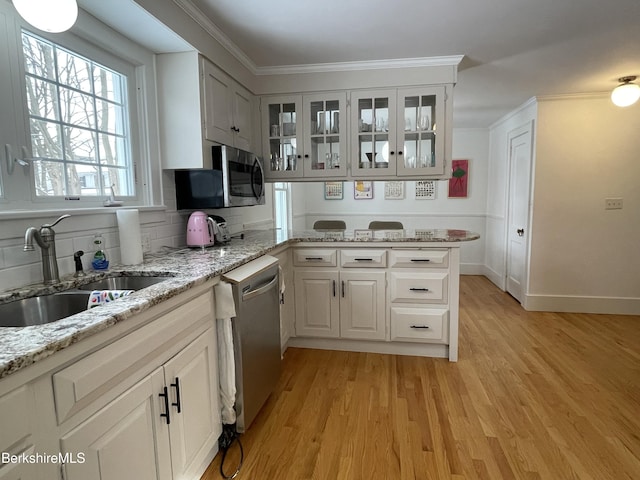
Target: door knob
(520,232)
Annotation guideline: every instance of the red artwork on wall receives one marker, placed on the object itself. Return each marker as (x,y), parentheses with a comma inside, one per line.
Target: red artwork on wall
(459,181)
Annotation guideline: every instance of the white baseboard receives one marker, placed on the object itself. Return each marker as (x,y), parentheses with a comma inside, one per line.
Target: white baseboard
(494,277)
(567,303)
(471,269)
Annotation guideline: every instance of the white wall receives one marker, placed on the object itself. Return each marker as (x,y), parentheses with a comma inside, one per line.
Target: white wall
(497,188)
(584,257)
(443,212)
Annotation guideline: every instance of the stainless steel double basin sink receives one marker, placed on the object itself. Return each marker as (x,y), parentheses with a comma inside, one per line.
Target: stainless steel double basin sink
(48,308)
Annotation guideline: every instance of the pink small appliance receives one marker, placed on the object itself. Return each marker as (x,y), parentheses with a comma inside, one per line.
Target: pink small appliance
(200,230)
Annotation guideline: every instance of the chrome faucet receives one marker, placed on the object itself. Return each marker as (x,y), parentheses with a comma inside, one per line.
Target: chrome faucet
(46,238)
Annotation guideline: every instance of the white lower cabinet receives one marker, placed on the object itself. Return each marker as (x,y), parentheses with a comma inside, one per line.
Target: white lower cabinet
(340,304)
(191,378)
(401,298)
(126,439)
(161,428)
(362,305)
(16,432)
(317,303)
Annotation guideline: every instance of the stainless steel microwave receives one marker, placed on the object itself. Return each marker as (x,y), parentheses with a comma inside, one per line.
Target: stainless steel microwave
(236,179)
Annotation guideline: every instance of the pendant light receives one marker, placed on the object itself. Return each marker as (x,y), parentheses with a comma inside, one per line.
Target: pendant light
(626,93)
(53,16)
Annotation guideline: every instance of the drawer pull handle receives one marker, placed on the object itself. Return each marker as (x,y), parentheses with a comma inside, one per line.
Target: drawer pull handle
(419,289)
(313,258)
(363,259)
(177,402)
(165,395)
(420,259)
(420,326)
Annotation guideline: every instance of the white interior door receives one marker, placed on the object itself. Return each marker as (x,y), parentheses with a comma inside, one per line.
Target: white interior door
(520,158)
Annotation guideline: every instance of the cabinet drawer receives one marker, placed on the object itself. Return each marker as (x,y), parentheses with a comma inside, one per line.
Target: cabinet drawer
(92,377)
(321,257)
(363,258)
(419,258)
(419,287)
(420,324)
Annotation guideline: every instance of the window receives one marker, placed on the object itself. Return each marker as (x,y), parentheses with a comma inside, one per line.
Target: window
(78,121)
(282,205)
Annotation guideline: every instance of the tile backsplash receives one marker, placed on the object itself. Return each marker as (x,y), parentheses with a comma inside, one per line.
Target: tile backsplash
(159,227)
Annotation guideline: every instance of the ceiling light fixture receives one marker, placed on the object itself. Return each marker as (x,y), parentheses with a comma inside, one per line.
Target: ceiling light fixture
(53,16)
(626,93)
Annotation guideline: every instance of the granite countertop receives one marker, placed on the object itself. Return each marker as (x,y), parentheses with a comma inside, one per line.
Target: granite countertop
(188,267)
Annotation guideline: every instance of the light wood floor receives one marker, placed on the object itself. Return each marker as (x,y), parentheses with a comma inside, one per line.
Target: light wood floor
(533,396)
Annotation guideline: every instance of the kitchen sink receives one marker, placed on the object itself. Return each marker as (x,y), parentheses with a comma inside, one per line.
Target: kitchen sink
(124,283)
(42,309)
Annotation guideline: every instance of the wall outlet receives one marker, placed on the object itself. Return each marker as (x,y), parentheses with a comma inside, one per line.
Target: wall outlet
(146,243)
(613,203)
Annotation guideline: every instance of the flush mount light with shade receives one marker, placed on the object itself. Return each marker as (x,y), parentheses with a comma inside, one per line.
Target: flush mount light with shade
(53,16)
(627,93)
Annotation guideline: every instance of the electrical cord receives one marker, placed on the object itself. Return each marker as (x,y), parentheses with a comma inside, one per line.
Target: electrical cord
(228,436)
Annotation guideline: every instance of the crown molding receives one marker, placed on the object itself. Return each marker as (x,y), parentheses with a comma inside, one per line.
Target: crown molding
(574,96)
(451,60)
(212,29)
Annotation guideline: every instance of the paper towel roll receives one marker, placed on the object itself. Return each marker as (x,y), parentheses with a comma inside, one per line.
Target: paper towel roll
(130,237)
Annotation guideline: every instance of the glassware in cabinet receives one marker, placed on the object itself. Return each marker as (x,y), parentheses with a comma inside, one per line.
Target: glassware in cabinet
(422,110)
(373,121)
(281,117)
(325,136)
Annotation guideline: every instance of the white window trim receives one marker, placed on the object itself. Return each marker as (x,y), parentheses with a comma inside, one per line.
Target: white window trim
(93,39)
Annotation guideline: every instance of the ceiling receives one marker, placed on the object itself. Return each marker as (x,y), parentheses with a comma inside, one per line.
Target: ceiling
(513,49)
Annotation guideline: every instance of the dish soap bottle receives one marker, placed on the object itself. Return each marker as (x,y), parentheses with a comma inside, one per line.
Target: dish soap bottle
(99,261)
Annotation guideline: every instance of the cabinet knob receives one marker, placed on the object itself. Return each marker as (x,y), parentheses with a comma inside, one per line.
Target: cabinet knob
(400,152)
(392,152)
(306,155)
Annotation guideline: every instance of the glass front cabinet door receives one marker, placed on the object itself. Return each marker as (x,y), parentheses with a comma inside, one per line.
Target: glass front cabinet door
(373,120)
(282,149)
(325,135)
(395,132)
(420,113)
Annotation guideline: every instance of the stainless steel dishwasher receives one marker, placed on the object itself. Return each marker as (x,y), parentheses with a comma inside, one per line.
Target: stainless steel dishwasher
(256,335)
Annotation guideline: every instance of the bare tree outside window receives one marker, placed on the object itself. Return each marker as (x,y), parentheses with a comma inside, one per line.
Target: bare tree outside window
(79,123)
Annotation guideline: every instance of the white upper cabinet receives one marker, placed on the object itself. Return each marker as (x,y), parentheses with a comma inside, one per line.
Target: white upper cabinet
(227,108)
(325,139)
(305,136)
(395,132)
(282,133)
(387,133)
(199,105)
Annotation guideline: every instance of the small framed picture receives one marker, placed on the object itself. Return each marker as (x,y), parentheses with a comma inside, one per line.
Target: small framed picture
(459,181)
(333,191)
(362,234)
(393,190)
(362,190)
(425,190)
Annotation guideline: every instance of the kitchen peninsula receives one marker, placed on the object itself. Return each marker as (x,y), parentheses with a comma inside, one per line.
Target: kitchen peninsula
(101,379)
(189,267)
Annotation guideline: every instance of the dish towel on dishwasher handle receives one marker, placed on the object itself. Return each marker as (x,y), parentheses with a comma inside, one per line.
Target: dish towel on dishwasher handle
(100,297)
(225,311)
